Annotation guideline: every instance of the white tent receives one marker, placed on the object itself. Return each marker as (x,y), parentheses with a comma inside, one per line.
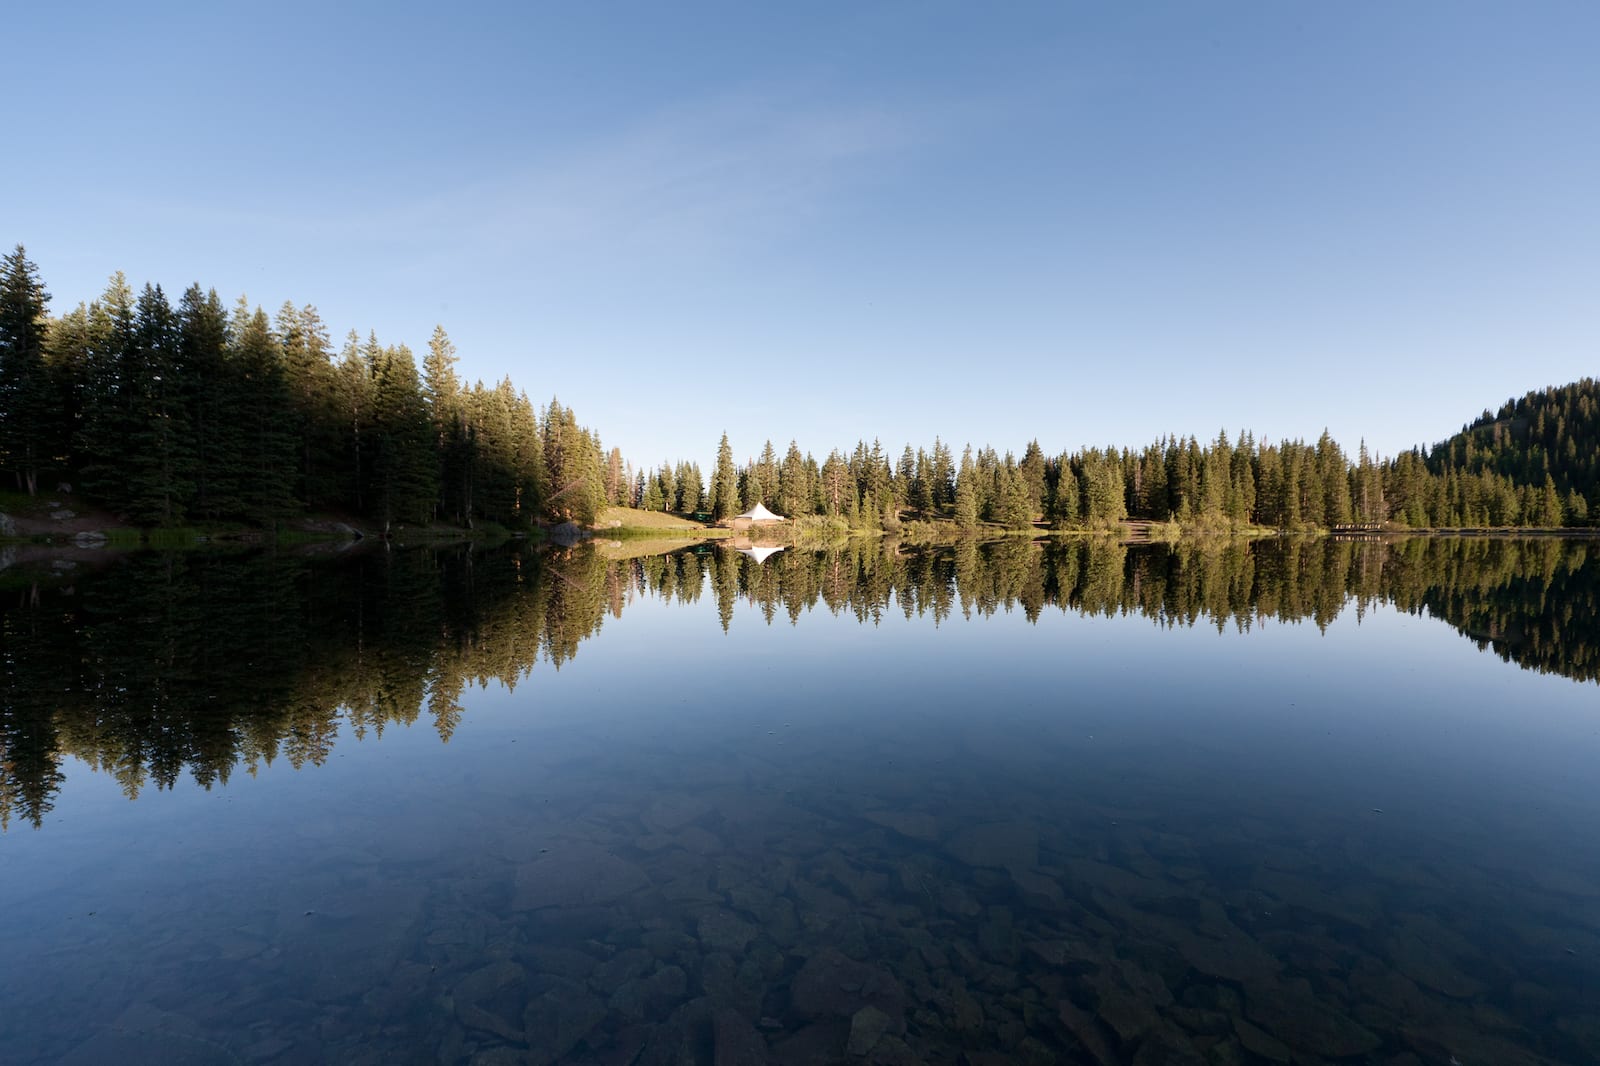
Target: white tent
(760,554)
(759,513)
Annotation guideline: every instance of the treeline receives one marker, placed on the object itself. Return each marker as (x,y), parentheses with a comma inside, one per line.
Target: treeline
(1224,483)
(137,671)
(196,413)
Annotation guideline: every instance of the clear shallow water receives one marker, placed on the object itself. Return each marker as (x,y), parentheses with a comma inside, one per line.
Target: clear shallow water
(849,807)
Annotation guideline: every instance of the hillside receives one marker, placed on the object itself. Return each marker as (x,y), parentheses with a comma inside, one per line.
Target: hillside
(1554,431)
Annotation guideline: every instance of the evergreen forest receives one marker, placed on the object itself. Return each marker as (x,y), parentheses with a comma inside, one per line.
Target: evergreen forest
(193,413)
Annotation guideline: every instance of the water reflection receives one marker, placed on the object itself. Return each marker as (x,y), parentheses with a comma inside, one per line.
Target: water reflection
(1091,825)
(213,662)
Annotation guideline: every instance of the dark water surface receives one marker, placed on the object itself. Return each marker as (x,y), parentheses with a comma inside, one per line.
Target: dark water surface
(1320,802)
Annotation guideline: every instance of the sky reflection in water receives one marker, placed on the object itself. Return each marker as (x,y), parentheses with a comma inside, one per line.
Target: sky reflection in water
(1081,836)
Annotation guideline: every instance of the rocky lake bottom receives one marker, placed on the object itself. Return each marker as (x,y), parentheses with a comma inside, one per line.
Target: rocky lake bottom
(1066,838)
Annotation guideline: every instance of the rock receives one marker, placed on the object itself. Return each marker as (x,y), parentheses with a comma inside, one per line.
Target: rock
(867,1026)
(267,1050)
(673,812)
(1167,1048)
(735,1040)
(1235,959)
(575,874)
(693,839)
(1038,889)
(1198,1021)
(1259,1043)
(623,1048)
(721,930)
(561,962)
(1147,984)
(822,1041)
(488,998)
(913,824)
(498,1056)
(1082,1025)
(738,985)
(956,1008)
(1294,1014)
(1229,1052)
(650,996)
(621,968)
(1429,966)
(63,514)
(958,901)
(557,1021)
(90,538)
(997,937)
(666,944)
(831,984)
(892,1051)
(143,1033)
(1008,845)
(567,534)
(1130,1015)
(8,526)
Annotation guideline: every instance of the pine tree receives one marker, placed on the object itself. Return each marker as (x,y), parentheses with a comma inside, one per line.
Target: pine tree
(404,469)
(1033,482)
(576,490)
(216,400)
(967,493)
(724,484)
(616,481)
(103,426)
(441,393)
(158,460)
(353,380)
(68,350)
(1065,510)
(269,443)
(691,489)
(942,484)
(836,486)
(26,405)
(767,467)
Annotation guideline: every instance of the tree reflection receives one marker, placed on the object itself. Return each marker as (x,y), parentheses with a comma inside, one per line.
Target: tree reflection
(212,662)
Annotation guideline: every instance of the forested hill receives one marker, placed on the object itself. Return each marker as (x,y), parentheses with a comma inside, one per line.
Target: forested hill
(1552,432)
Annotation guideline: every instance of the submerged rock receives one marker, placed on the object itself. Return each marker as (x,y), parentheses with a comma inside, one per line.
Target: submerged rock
(831,984)
(576,875)
(913,824)
(650,996)
(557,1021)
(488,999)
(1007,845)
(735,1041)
(1259,1043)
(867,1026)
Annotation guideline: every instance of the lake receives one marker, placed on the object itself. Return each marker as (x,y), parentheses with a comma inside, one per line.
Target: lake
(1310,801)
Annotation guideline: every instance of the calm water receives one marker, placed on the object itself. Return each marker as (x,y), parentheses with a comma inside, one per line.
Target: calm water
(1327,802)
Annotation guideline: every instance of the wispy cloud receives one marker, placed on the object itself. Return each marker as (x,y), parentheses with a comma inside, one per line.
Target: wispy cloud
(688,182)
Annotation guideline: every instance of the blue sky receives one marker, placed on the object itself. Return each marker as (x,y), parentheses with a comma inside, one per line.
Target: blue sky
(1085,223)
